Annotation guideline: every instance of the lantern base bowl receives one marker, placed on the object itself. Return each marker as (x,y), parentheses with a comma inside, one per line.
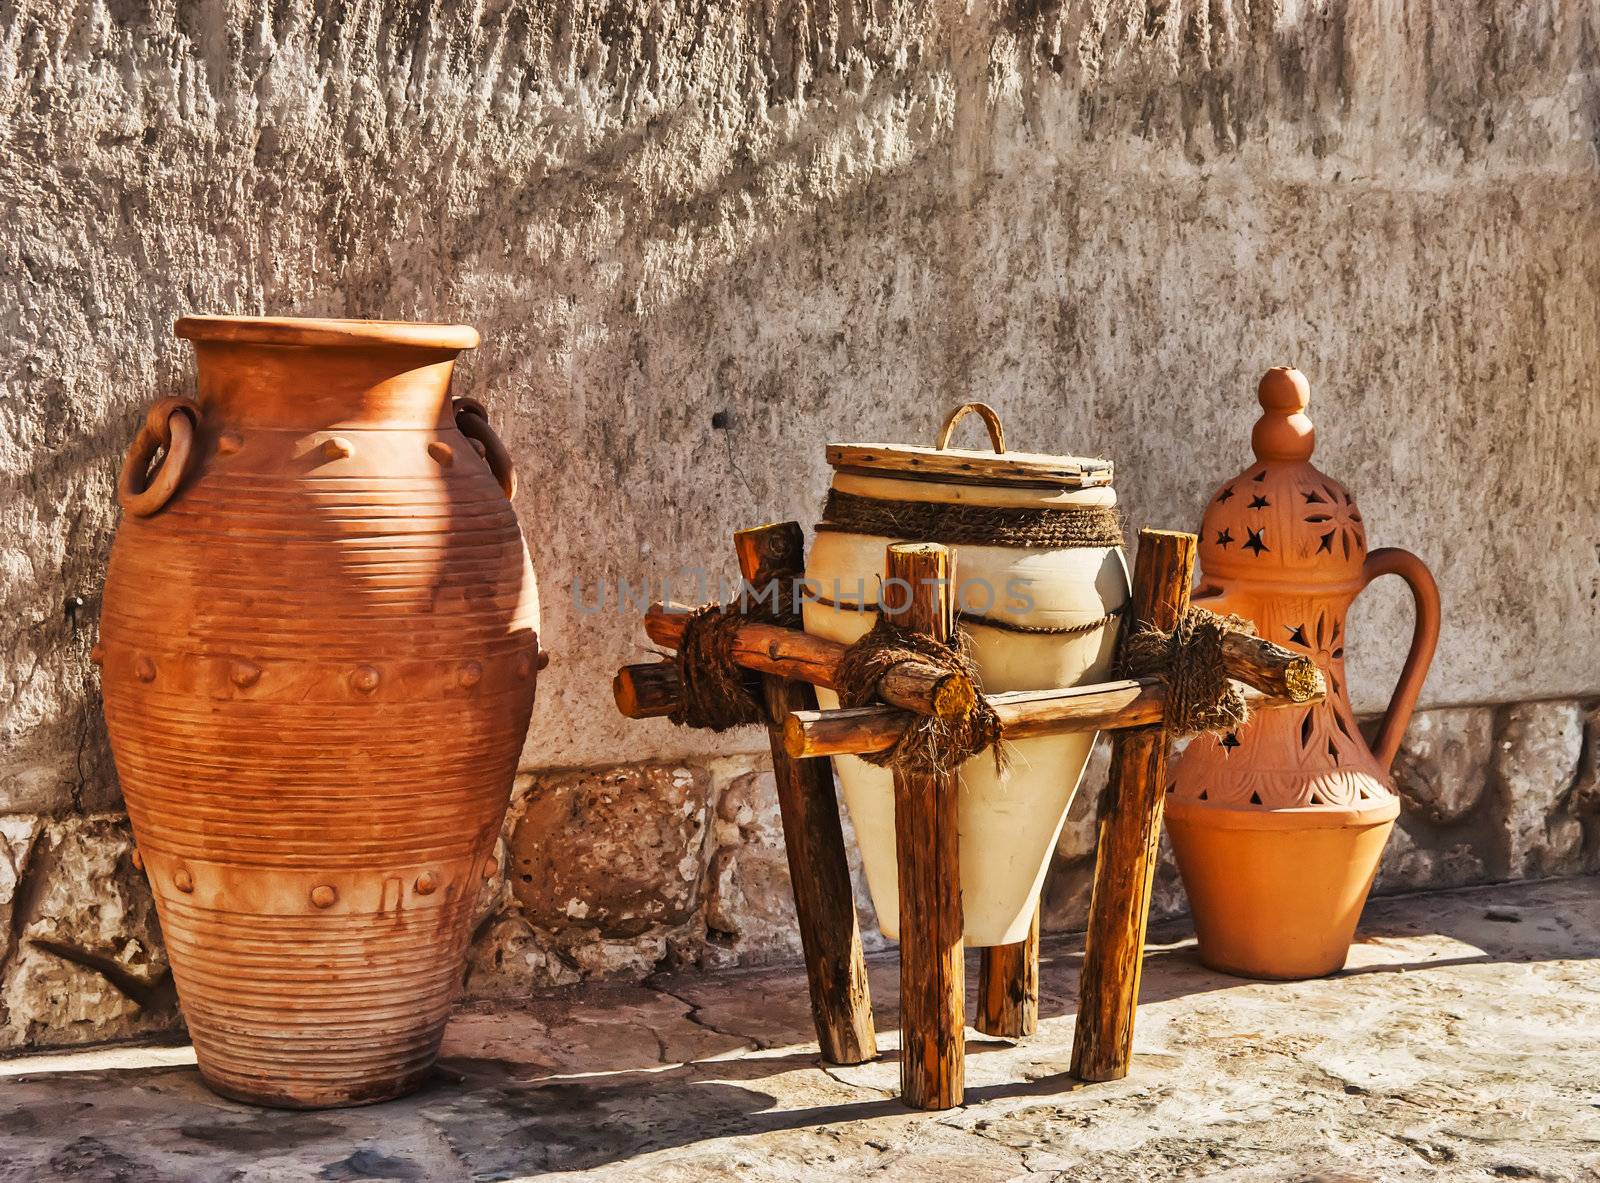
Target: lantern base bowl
(1276,894)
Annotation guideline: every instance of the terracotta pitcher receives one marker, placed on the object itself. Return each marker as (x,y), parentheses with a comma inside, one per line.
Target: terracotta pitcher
(1038,614)
(318,653)
(1278,828)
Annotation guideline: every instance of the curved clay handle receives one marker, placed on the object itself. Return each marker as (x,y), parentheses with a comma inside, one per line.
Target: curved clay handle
(1424,636)
(991,420)
(472,421)
(170,425)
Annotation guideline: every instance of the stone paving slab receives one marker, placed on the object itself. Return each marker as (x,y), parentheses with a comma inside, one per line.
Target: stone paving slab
(1461,1043)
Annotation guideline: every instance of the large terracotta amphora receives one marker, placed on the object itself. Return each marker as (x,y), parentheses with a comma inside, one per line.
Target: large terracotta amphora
(318,653)
(1278,827)
(1041,580)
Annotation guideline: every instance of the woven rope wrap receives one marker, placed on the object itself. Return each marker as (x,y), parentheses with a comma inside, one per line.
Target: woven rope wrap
(928,744)
(717,692)
(1200,695)
(1069,528)
(1110,619)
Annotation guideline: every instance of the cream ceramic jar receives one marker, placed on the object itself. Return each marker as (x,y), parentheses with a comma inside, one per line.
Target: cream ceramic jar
(1038,616)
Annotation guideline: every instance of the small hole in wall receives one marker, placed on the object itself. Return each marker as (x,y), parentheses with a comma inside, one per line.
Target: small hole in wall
(722,420)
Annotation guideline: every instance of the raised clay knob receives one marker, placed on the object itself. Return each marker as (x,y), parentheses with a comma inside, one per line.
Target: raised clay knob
(1283,432)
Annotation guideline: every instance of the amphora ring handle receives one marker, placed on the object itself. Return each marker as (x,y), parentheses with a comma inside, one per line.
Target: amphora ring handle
(1424,636)
(991,420)
(472,421)
(169,425)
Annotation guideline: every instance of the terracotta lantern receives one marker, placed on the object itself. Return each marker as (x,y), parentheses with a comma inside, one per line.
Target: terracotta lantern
(1278,827)
(318,654)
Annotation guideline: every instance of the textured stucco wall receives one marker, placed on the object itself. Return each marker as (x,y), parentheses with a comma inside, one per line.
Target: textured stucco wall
(832,221)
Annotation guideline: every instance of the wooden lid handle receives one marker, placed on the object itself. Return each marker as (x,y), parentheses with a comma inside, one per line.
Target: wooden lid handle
(991,420)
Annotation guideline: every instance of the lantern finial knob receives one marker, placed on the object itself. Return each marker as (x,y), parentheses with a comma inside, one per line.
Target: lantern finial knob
(1284,432)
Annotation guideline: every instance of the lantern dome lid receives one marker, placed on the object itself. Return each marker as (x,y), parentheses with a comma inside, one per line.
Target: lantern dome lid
(1282,518)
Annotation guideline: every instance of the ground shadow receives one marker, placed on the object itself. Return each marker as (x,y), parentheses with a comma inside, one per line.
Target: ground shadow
(493,1124)
(1476,928)
(691,1060)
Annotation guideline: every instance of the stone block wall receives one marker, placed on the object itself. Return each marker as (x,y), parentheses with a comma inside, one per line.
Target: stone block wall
(1489,793)
(702,241)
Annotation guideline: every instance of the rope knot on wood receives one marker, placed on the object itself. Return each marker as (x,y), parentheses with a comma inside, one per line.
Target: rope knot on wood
(717,693)
(1200,695)
(928,744)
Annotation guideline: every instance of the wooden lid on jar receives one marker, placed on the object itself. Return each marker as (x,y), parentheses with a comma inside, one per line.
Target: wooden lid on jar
(942,464)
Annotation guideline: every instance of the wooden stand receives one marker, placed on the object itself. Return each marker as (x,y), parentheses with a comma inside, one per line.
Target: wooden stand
(932,984)
(819,871)
(927,851)
(1130,828)
(1008,987)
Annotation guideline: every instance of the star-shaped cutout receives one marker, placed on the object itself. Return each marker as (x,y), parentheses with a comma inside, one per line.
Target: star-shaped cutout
(1325,543)
(1254,543)
(1229,741)
(1224,537)
(1258,502)
(1225,495)
(1314,498)
(1297,636)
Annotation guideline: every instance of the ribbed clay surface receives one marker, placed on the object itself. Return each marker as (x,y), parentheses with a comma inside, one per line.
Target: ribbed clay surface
(318,665)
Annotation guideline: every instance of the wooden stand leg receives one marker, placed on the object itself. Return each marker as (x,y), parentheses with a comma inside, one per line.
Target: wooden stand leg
(1130,828)
(1008,987)
(825,909)
(926,808)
